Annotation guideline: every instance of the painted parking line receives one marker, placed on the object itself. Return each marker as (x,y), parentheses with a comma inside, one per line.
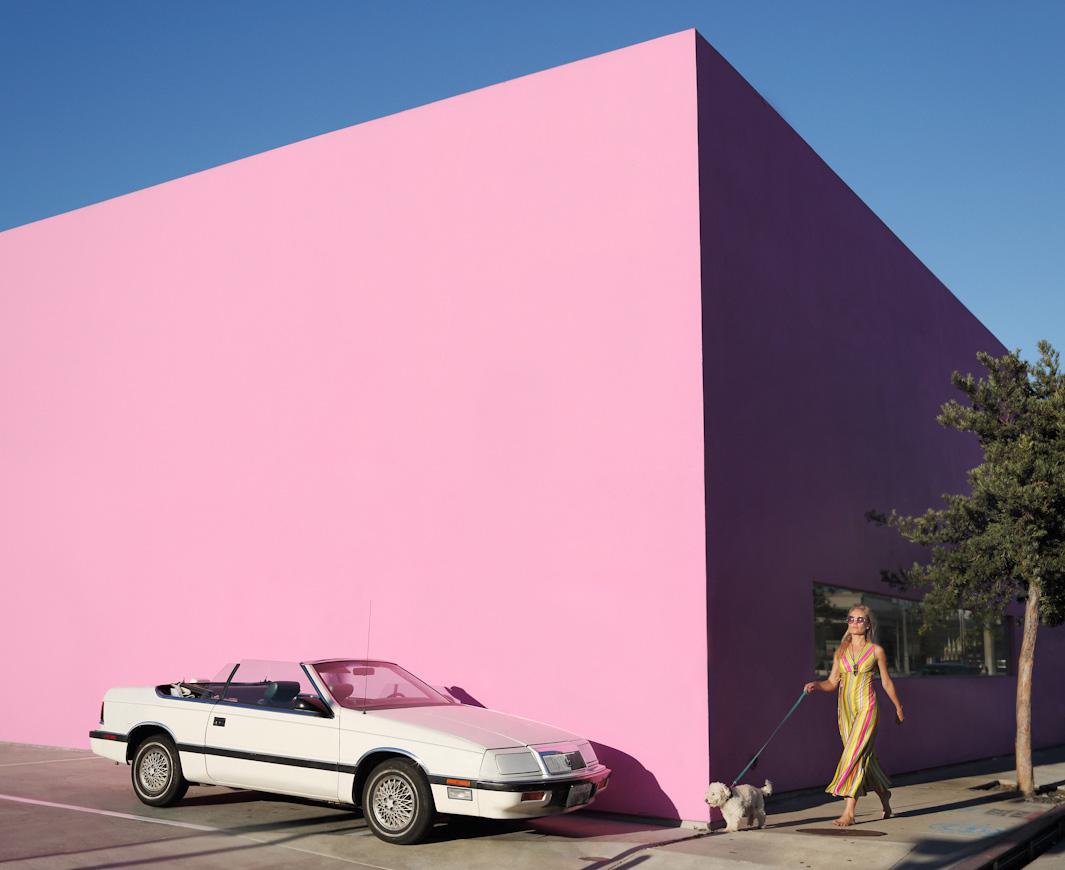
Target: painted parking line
(55,761)
(111,813)
(188,825)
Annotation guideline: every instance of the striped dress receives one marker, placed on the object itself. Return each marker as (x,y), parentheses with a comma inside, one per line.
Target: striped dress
(858,771)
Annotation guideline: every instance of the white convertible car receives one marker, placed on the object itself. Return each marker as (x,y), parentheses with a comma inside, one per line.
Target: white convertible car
(363,733)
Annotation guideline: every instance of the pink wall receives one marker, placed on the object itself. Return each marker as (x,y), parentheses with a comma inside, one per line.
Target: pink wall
(448,360)
(828,350)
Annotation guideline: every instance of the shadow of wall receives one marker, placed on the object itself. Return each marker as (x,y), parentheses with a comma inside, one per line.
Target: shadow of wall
(633,789)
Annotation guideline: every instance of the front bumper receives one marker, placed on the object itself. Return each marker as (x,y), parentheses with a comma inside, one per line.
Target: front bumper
(493,799)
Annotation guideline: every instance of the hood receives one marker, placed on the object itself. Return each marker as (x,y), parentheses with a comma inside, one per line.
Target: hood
(487,728)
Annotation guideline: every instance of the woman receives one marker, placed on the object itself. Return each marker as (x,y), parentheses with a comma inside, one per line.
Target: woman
(857,716)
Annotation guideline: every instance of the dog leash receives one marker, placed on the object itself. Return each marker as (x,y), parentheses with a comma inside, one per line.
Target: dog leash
(771,736)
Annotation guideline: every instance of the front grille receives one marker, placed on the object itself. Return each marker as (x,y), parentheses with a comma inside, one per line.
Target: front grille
(563,762)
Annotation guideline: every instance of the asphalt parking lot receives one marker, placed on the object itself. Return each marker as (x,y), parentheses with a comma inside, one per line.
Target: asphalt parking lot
(64,808)
(68,808)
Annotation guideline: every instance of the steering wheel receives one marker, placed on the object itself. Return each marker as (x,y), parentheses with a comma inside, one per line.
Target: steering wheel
(395,694)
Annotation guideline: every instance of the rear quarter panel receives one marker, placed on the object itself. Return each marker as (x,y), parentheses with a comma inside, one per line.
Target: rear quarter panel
(185,720)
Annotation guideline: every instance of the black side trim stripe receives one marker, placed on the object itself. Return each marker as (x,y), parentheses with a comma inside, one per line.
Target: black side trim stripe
(108,735)
(266,759)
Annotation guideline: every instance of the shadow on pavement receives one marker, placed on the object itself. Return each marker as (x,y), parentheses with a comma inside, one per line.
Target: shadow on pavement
(69,852)
(217,798)
(934,852)
(619,861)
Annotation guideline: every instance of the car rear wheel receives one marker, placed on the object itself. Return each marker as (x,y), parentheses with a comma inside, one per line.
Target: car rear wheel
(157,778)
(398,803)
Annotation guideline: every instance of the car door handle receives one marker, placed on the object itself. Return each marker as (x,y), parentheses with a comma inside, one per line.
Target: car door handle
(219,721)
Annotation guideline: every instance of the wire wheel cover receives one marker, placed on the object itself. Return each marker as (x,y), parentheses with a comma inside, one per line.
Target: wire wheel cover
(154,770)
(394,802)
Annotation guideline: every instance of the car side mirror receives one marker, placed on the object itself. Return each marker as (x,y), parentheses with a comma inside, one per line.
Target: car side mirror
(443,690)
(313,705)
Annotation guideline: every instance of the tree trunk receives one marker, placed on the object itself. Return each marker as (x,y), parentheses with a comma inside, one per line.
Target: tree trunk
(1023,746)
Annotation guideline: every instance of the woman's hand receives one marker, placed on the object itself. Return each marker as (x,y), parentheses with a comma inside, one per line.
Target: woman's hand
(810,687)
(898,713)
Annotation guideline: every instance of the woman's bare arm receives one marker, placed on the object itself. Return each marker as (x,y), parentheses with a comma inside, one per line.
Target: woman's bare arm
(828,685)
(885,680)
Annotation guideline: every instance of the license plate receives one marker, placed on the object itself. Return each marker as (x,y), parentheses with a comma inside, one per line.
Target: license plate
(579,794)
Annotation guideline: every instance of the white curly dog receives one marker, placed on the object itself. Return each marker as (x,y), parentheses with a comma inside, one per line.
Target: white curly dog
(742,802)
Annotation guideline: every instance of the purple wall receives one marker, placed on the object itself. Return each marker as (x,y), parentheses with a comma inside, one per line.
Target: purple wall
(828,349)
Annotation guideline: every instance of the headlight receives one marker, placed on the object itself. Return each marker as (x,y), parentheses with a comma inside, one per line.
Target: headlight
(517,762)
(506,763)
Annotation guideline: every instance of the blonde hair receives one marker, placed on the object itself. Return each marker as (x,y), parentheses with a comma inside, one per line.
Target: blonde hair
(870,626)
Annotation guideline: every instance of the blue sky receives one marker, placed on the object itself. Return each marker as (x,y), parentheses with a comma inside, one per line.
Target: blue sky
(947,118)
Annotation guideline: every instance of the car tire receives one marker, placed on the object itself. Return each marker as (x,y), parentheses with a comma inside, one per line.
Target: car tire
(397,802)
(156,773)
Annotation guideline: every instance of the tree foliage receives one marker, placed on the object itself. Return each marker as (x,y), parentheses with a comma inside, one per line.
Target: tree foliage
(989,546)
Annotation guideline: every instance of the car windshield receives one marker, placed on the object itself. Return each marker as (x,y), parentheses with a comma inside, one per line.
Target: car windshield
(368,685)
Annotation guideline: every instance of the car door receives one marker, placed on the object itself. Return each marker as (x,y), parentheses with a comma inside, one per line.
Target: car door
(256,738)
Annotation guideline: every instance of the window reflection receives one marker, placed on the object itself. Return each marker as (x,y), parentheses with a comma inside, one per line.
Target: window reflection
(958,645)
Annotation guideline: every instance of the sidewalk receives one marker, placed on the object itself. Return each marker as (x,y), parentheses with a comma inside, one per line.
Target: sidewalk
(943,818)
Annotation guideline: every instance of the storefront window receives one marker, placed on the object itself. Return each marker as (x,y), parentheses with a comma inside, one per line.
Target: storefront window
(958,645)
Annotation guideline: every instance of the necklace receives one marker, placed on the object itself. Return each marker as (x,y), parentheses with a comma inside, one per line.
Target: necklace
(853,661)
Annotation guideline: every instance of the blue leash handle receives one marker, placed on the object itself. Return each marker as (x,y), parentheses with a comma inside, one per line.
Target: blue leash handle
(771,736)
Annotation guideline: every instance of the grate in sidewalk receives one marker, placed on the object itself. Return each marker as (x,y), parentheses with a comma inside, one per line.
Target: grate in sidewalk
(840,832)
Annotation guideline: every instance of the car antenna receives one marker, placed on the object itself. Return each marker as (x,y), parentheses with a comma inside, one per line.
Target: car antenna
(366,667)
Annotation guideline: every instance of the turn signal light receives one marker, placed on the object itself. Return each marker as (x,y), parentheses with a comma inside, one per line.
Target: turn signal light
(460,782)
(533,795)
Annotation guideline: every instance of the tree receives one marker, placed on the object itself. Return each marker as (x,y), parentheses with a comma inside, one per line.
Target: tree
(1006,539)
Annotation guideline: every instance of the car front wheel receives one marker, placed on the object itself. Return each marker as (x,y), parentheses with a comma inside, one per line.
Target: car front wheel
(157,777)
(398,803)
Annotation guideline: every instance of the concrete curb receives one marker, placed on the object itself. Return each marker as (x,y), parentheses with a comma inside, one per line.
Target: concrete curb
(1014,846)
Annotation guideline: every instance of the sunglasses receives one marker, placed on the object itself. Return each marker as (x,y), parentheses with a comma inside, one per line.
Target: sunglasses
(856,619)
